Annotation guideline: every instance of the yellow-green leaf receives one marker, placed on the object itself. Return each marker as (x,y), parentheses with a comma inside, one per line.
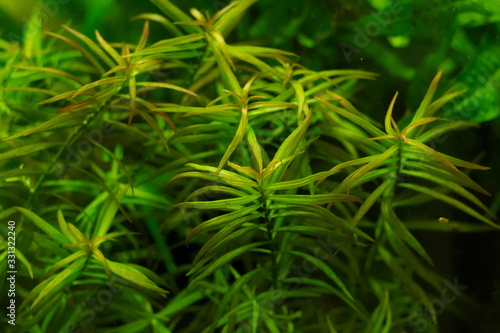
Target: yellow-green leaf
(44,225)
(28,149)
(60,280)
(92,45)
(133,275)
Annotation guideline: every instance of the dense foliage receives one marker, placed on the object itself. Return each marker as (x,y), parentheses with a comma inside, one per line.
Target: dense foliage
(193,179)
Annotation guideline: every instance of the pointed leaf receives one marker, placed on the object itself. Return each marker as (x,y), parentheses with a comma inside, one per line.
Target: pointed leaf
(225,218)
(451,201)
(92,45)
(28,149)
(317,199)
(44,225)
(423,108)
(133,275)
(48,125)
(399,228)
(60,280)
(66,261)
(231,203)
(325,268)
(225,259)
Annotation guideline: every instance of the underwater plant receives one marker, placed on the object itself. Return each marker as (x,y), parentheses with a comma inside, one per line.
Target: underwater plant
(191,184)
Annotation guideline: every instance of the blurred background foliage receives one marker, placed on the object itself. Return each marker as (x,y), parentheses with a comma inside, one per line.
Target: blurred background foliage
(405,42)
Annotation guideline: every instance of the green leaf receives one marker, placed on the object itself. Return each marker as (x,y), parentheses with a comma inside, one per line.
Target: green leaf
(76,46)
(214,190)
(481,102)
(232,217)
(108,212)
(450,185)
(238,137)
(225,259)
(54,71)
(247,171)
(228,177)
(50,124)
(314,231)
(226,21)
(289,146)
(255,148)
(152,122)
(286,152)
(182,300)
(175,14)
(326,216)
(353,117)
(144,37)
(45,226)
(381,314)
(435,166)
(224,235)
(399,228)
(60,280)
(295,183)
(235,289)
(301,97)
(20,173)
(8,212)
(447,162)
(439,130)
(28,149)
(260,51)
(325,268)
(370,201)
(371,165)
(317,199)
(99,256)
(106,81)
(251,60)
(453,202)
(195,110)
(225,70)
(443,100)
(66,261)
(420,268)
(133,275)
(166,86)
(452,226)
(407,280)
(109,49)
(22,258)
(422,110)
(92,45)
(326,285)
(219,248)
(388,118)
(231,203)
(160,19)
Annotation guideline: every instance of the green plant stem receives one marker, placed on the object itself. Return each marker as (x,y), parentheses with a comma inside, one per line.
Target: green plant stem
(400,160)
(68,142)
(25,241)
(55,159)
(194,77)
(273,244)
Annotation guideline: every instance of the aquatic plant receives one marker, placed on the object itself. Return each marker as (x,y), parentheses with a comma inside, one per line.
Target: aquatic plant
(129,166)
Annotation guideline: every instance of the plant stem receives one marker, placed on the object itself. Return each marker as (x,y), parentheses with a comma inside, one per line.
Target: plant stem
(27,239)
(273,244)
